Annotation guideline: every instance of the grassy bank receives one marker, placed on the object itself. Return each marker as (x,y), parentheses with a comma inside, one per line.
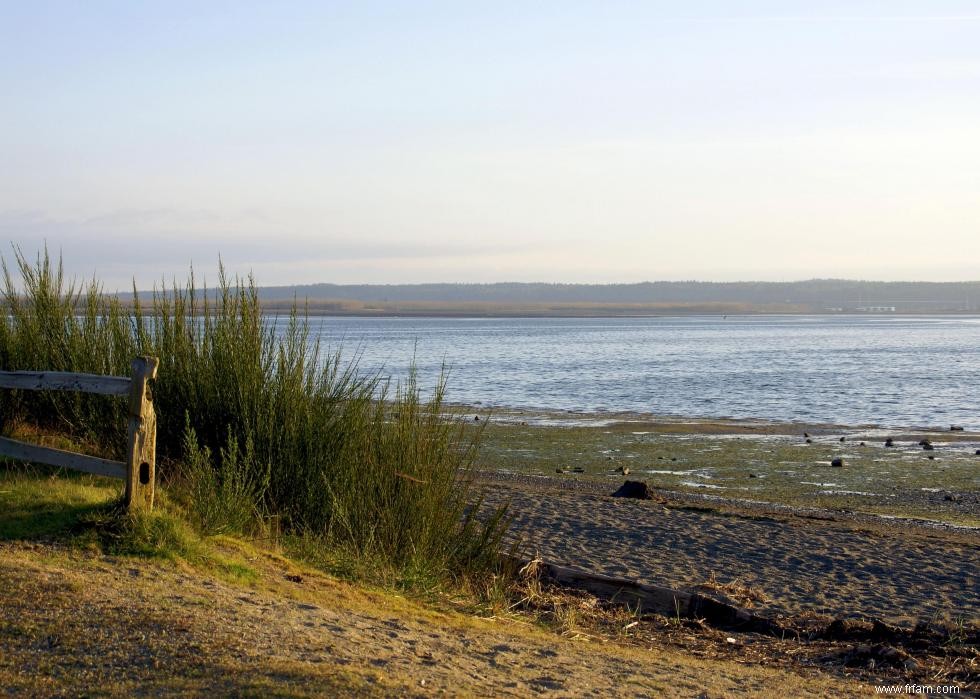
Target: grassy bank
(258,433)
(93,601)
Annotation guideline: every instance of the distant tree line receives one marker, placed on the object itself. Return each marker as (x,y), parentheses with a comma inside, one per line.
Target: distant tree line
(814,294)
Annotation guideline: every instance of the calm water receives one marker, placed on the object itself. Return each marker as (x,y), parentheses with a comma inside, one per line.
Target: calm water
(850,370)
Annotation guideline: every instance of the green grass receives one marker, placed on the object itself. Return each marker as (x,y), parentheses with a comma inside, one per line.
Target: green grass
(256,430)
(86,512)
(36,504)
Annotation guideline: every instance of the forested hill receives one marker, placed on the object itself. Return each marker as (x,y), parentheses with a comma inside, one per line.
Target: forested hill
(815,295)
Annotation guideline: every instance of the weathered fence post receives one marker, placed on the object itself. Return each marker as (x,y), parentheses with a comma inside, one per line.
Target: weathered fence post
(141,453)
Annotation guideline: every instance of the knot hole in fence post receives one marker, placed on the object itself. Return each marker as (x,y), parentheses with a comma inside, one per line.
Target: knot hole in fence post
(141,452)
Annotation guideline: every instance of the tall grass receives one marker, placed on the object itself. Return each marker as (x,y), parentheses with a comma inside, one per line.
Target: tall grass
(58,325)
(255,424)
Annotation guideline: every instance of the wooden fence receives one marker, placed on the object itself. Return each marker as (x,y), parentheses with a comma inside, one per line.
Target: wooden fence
(139,470)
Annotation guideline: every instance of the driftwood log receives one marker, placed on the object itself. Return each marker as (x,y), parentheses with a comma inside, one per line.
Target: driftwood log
(656,598)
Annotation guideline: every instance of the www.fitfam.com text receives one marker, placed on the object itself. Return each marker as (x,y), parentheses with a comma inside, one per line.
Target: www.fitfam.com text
(931,689)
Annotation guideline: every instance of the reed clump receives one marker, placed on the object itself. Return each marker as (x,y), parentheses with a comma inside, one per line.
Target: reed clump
(256,424)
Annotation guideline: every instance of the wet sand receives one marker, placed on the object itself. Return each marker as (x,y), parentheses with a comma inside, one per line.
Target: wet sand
(827,562)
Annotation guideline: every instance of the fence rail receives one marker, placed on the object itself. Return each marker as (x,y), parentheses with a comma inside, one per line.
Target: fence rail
(139,469)
(58,457)
(65,381)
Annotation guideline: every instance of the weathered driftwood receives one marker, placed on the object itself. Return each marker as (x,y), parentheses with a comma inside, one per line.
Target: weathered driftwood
(141,454)
(658,599)
(65,459)
(65,381)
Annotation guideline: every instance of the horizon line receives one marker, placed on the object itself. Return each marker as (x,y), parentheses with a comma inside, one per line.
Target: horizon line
(636,283)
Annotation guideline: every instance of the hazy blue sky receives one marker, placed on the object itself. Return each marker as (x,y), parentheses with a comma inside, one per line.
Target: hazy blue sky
(502,141)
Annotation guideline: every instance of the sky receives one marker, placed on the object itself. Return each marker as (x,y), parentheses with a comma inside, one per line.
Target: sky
(404,142)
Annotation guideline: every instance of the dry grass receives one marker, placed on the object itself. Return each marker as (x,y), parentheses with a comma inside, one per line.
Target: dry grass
(232,617)
(75,622)
(79,613)
(734,592)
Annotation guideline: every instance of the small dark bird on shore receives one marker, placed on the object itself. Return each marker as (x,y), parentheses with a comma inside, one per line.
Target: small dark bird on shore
(923,442)
(806,434)
(842,439)
(809,441)
(889,442)
(928,447)
(837,463)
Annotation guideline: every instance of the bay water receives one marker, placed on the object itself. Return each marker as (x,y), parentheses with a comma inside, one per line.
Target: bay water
(892,371)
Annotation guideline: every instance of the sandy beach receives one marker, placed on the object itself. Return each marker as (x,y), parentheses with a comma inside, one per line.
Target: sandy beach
(806,561)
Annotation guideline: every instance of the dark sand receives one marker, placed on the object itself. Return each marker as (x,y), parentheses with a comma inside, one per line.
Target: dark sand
(826,562)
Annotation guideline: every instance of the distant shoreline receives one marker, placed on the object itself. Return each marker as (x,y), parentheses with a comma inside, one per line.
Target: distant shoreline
(467,311)
(531,299)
